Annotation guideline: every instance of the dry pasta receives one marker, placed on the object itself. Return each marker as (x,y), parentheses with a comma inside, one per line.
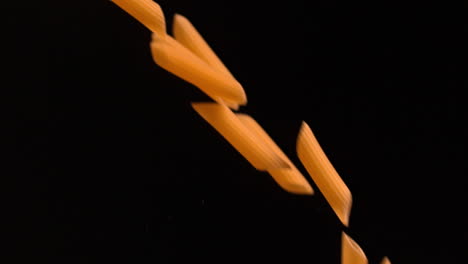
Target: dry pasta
(385,260)
(351,253)
(189,57)
(323,173)
(147,12)
(175,58)
(255,150)
(187,35)
(289,179)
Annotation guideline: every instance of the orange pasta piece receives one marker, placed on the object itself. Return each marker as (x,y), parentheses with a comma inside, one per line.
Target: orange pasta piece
(175,58)
(255,150)
(351,253)
(385,260)
(324,174)
(148,12)
(187,35)
(290,179)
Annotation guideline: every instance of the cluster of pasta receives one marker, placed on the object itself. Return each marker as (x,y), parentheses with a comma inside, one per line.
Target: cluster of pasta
(188,56)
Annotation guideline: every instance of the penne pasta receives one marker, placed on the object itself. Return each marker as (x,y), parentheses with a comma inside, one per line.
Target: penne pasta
(351,253)
(175,58)
(324,174)
(189,57)
(148,12)
(385,260)
(290,179)
(256,151)
(187,35)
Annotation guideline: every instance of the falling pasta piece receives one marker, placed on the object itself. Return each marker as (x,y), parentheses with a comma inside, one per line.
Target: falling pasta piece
(147,12)
(191,58)
(233,82)
(324,174)
(385,260)
(187,35)
(289,179)
(175,58)
(255,150)
(351,253)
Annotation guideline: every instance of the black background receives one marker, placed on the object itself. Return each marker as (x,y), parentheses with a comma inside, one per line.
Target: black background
(135,175)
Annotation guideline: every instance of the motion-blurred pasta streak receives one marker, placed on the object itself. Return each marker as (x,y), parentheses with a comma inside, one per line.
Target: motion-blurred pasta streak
(290,179)
(323,173)
(255,150)
(351,253)
(148,12)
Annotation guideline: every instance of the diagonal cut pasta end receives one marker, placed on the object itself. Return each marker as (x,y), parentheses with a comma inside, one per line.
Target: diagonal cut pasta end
(324,174)
(290,179)
(351,252)
(148,12)
(255,150)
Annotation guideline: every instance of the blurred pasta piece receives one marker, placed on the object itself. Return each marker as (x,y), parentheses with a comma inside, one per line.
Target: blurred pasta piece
(175,58)
(324,174)
(255,150)
(385,260)
(148,12)
(290,179)
(187,35)
(351,253)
